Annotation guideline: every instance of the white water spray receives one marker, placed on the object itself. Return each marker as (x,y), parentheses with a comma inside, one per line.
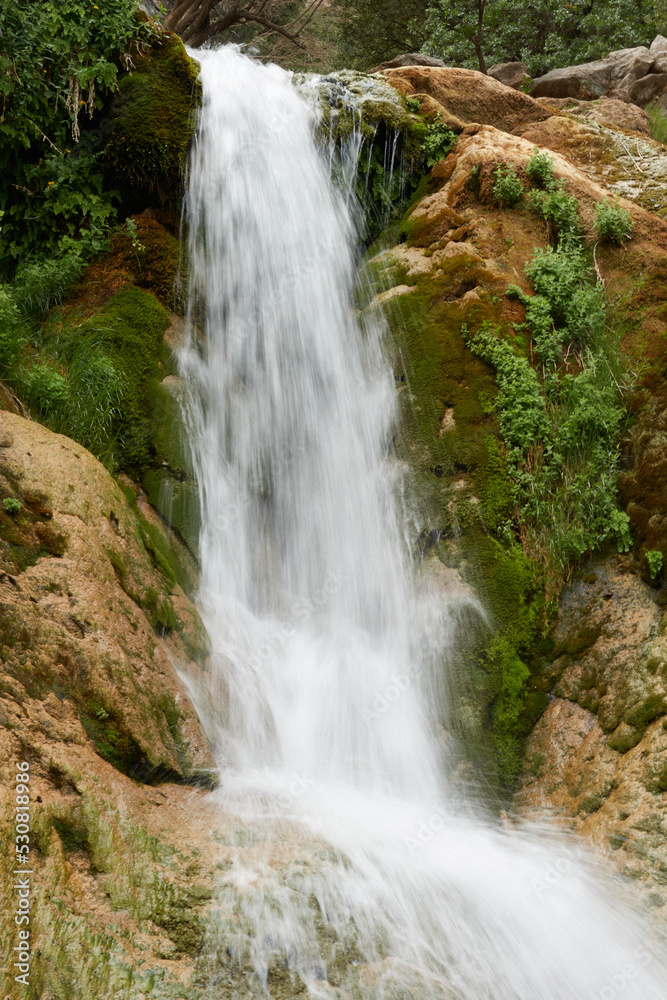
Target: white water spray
(319,698)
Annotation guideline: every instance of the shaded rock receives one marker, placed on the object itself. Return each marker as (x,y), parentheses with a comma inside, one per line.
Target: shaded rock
(646,89)
(644,485)
(596,79)
(408,59)
(470,96)
(636,75)
(512,74)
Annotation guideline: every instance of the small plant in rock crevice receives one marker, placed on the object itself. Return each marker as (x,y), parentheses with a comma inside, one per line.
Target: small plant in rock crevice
(438,142)
(11,505)
(654,560)
(508,188)
(613,223)
(540,168)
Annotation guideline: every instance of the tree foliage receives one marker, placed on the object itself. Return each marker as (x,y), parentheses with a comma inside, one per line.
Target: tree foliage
(56,59)
(543,34)
(372,31)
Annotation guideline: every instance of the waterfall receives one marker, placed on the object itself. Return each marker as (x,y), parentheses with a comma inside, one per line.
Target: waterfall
(321,698)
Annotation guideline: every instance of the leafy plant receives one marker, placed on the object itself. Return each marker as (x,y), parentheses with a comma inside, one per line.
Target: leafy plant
(559,210)
(508,187)
(11,505)
(438,142)
(612,221)
(56,59)
(560,429)
(540,168)
(654,560)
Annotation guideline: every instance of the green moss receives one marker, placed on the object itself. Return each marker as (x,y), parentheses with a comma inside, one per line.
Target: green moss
(152,123)
(112,742)
(625,738)
(28,535)
(646,711)
(449,433)
(591,803)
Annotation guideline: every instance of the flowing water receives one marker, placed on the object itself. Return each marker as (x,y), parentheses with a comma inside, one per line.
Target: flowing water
(326,641)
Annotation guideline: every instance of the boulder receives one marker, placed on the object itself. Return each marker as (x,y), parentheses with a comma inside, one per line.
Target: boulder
(636,75)
(470,96)
(647,89)
(408,59)
(598,755)
(596,79)
(512,74)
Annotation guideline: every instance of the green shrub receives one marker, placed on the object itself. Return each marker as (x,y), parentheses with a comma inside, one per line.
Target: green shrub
(559,210)
(654,560)
(46,391)
(438,142)
(540,168)
(508,187)
(612,222)
(11,505)
(568,308)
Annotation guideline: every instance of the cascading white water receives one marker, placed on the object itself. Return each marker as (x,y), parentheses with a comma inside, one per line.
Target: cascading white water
(319,697)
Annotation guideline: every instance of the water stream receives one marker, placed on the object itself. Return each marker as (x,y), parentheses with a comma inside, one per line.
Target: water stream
(323,701)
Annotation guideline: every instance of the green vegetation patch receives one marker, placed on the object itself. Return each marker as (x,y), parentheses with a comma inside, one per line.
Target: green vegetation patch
(152,123)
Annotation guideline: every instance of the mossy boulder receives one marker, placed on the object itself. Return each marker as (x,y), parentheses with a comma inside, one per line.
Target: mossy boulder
(153,118)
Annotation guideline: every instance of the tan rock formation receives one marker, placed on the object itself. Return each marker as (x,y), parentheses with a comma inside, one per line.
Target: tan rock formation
(597,759)
(470,96)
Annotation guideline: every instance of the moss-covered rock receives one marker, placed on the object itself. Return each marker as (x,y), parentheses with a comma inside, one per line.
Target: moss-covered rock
(153,118)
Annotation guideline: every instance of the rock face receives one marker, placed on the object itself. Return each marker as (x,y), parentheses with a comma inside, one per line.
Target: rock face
(512,74)
(93,619)
(607,111)
(637,76)
(94,614)
(470,96)
(598,756)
